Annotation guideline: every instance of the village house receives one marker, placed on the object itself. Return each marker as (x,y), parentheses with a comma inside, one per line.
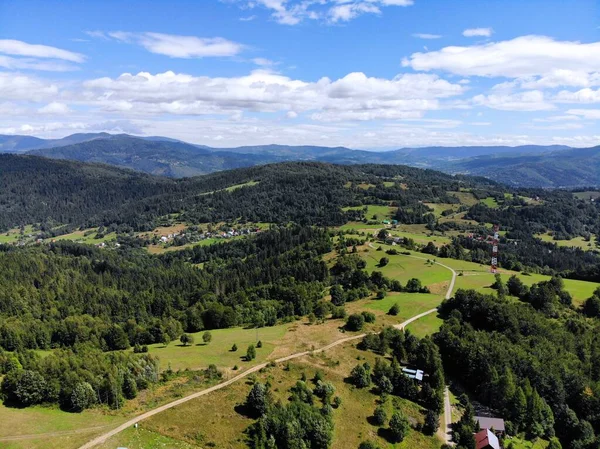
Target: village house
(485,439)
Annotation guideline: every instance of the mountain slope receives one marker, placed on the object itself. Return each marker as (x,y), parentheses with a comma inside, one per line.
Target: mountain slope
(159,157)
(568,168)
(34,190)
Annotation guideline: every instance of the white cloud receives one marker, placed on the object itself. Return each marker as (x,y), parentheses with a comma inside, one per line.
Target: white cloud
(522,57)
(354,96)
(475,32)
(524,101)
(11,63)
(55,108)
(586,95)
(293,12)
(20,48)
(21,87)
(427,36)
(177,46)
(247,18)
(590,114)
(264,62)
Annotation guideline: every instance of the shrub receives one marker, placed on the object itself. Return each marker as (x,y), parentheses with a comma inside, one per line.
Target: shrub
(355,322)
(394,310)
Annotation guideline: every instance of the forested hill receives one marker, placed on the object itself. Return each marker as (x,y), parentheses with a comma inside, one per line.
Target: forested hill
(38,190)
(158,157)
(569,168)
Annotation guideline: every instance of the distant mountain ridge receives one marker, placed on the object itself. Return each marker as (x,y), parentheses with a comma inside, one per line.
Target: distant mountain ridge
(527,165)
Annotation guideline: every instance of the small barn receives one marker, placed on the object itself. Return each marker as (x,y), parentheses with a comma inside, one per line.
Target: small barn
(495,424)
(486,439)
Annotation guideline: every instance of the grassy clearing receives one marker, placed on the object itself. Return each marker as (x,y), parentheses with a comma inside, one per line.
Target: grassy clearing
(41,420)
(403,267)
(577,242)
(466,198)
(142,438)
(14,235)
(239,186)
(490,202)
(87,236)
(423,237)
(218,351)
(212,420)
(388,183)
(427,325)
(587,195)
(518,443)
(375,211)
(438,208)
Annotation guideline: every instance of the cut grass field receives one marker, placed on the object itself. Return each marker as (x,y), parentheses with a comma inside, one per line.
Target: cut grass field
(577,242)
(31,421)
(212,421)
(404,268)
(375,210)
(81,237)
(218,351)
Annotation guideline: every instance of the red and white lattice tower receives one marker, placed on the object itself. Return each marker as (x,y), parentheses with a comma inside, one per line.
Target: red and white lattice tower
(494,267)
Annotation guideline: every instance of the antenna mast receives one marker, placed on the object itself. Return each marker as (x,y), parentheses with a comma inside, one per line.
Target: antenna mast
(494,267)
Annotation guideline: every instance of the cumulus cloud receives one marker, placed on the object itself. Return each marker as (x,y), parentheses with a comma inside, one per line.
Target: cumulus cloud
(54,108)
(522,57)
(524,101)
(25,88)
(355,96)
(177,46)
(586,95)
(476,32)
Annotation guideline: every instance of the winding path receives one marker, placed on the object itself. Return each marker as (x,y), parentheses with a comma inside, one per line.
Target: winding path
(102,438)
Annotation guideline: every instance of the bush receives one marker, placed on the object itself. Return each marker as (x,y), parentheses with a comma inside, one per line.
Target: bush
(250,353)
(368,317)
(337,402)
(338,313)
(394,310)
(399,427)
(360,376)
(259,344)
(234,348)
(355,322)
(380,416)
(368,445)
(383,261)
(186,339)
(207,337)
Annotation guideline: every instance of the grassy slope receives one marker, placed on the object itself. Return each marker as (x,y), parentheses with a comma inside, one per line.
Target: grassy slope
(213,421)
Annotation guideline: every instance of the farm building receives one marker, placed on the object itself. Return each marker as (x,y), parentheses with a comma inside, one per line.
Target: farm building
(485,439)
(413,373)
(495,424)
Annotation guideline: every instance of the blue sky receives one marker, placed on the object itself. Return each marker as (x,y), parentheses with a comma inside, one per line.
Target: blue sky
(373,74)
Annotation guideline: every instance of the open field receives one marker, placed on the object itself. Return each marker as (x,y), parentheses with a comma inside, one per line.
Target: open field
(81,237)
(466,198)
(588,195)
(42,420)
(577,242)
(374,210)
(14,235)
(438,208)
(403,268)
(212,421)
(218,351)
(490,202)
